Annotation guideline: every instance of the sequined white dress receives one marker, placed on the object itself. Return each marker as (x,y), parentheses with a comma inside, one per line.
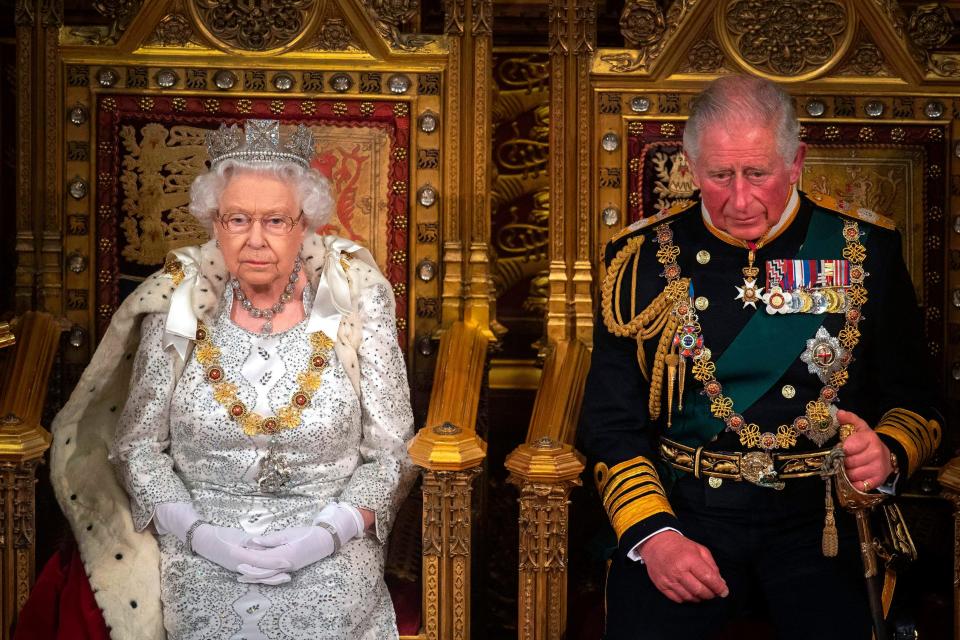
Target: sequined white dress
(174,443)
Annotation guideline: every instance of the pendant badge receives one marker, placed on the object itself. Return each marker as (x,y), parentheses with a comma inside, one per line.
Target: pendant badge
(274,472)
(750,293)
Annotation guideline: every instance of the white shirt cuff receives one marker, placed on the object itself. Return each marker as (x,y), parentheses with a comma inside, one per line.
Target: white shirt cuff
(890,488)
(634,553)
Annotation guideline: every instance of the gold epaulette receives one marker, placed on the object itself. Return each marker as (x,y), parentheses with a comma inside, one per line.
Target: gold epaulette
(851,211)
(918,437)
(631,492)
(643,223)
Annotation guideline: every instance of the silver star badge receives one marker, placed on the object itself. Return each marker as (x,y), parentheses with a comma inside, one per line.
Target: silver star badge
(823,355)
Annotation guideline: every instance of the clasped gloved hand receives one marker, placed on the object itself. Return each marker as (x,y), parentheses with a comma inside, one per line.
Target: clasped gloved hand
(335,525)
(225,546)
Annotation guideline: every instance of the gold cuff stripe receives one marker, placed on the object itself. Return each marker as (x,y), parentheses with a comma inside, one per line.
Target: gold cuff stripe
(637,510)
(918,437)
(624,470)
(614,487)
(917,429)
(639,485)
(628,465)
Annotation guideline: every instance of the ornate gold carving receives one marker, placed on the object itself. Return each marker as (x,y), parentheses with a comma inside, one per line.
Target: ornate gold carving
(260,26)
(23,13)
(453,17)
(446,551)
(51,14)
(705,57)
(545,476)
(586,27)
(390,16)
(335,35)
(642,23)
(930,25)
(788,38)
(945,65)
(173,30)
(866,59)
(521,246)
(625,62)
(482,17)
(157,173)
(121,12)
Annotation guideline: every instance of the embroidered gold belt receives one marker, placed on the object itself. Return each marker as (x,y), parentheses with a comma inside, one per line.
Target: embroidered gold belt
(757,467)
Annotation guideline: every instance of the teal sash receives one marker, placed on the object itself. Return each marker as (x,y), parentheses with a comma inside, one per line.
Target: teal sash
(763,350)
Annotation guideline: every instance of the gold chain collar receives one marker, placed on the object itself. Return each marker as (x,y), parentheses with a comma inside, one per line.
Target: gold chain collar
(816,423)
(225,393)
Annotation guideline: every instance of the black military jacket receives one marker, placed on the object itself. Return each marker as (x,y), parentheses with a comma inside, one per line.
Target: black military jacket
(889,385)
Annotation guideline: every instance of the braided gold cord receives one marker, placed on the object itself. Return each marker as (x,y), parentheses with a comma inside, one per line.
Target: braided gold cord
(656,319)
(659,361)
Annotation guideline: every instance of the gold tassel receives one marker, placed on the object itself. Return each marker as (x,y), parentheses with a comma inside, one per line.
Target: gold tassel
(830,543)
(682,374)
(672,360)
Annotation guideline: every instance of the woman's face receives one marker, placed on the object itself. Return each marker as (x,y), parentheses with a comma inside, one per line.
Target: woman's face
(259,257)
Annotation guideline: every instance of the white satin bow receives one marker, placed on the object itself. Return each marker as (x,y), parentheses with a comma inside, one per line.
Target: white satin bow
(332,300)
(181,327)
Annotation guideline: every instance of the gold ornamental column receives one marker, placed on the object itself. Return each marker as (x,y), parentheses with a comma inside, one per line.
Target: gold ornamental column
(450,453)
(573,29)
(22,446)
(467,283)
(545,471)
(38,218)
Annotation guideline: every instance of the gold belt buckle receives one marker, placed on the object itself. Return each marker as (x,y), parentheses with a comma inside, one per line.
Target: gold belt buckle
(757,468)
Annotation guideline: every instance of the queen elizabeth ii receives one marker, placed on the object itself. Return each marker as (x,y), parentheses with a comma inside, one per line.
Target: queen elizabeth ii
(252,399)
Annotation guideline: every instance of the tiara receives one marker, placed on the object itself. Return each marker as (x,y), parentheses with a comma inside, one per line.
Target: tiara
(260,142)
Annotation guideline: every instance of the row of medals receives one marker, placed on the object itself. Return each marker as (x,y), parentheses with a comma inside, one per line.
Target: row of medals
(825,300)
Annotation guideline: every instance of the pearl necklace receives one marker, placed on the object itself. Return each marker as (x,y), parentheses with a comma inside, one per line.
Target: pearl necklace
(268,313)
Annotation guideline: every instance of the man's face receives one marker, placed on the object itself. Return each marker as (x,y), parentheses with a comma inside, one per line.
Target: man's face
(742,178)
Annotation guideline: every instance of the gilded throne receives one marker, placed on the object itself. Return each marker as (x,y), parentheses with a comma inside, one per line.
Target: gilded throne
(138,99)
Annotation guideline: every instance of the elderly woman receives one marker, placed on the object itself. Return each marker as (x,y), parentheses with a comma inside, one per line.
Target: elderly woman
(261,437)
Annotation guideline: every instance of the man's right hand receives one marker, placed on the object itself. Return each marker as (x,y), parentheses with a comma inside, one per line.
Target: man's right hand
(681,569)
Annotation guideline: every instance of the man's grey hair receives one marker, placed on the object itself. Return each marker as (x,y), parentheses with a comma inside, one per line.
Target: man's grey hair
(742,98)
(312,190)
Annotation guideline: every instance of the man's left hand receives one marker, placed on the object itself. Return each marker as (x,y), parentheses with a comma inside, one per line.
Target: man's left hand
(867,460)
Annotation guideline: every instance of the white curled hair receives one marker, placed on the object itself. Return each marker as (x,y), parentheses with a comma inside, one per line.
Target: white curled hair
(743,98)
(312,189)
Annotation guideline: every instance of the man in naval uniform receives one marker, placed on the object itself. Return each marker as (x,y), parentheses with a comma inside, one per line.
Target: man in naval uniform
(734,339)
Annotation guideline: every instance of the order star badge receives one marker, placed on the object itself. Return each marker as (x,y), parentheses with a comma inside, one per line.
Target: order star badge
(824,355)
(750,293)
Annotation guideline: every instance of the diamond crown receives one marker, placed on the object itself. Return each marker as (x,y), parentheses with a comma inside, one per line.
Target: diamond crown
(260,141)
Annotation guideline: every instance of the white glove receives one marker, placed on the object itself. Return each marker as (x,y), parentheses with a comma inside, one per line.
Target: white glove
(222,545)
(302,546)
(296,546)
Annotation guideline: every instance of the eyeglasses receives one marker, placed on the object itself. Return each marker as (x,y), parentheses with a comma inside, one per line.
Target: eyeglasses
(242,223)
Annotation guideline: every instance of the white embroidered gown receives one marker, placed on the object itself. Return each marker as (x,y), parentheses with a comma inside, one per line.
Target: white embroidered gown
(175,443)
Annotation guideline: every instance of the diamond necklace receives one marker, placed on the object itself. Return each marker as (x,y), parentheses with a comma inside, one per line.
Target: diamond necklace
(268,313)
